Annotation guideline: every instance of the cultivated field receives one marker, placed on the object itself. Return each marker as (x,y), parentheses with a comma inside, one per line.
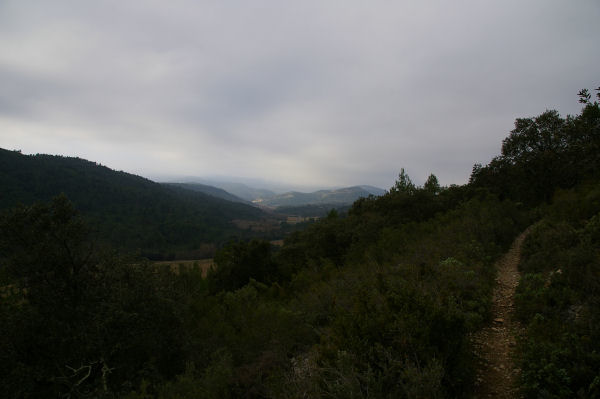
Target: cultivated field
(203,264)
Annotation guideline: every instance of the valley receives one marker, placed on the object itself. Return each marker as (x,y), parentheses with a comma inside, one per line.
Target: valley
(112,285)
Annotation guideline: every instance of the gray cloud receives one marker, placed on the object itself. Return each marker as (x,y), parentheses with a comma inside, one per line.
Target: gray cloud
(312,92)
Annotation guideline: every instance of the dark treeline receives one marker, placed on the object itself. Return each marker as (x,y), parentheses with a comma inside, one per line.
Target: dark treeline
(545,153)
(378,302)
(312,210)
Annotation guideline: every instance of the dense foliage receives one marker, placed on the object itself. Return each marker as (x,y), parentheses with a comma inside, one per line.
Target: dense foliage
(76,321)
(558,299)
(312,319)
(393,309)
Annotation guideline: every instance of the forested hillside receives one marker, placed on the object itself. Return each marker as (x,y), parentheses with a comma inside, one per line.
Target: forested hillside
(126,210)
(378,303)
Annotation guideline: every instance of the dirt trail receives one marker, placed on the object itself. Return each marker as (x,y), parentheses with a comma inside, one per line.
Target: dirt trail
(495,343)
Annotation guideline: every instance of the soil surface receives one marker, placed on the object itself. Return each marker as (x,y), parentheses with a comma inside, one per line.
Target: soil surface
(495,343)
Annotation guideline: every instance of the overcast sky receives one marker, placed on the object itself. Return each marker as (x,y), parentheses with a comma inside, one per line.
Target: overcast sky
(307,92)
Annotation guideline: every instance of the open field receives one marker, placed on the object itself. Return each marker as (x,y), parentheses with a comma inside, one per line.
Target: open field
(204,264)
(9,290)
(264,225)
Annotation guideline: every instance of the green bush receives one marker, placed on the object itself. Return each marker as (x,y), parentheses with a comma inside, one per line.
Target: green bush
(558,300)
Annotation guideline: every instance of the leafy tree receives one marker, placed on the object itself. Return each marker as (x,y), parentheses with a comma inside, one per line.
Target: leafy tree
(83,322)
(535,137)
(544,153)
(584,96)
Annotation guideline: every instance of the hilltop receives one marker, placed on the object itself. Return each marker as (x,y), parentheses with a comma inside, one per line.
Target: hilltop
(128,211)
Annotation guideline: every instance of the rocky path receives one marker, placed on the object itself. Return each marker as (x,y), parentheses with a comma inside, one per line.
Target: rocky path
(495,343)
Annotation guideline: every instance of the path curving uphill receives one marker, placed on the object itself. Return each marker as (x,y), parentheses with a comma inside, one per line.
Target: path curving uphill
(494,344)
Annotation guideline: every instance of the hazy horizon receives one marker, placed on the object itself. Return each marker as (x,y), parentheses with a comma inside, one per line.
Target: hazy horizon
(276,186)
(308,94)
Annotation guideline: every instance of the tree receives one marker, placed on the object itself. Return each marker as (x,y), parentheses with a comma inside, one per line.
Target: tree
(83,322)
(544,153)
(533,138)
(238,262)
(403,184)
(432,185)
(47,251)
(584,96)
(332,214)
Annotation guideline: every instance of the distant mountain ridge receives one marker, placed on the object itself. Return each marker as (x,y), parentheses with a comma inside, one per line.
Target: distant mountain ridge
(241,191)
(340,196)
(271,194)
(244,191)
(376,191)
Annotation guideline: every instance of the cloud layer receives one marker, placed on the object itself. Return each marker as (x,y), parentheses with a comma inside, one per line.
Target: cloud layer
(311,92)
